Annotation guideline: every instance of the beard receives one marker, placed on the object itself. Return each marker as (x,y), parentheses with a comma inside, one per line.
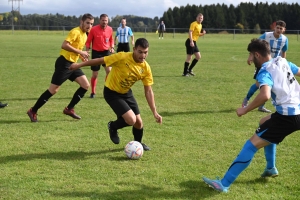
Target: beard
(256,64)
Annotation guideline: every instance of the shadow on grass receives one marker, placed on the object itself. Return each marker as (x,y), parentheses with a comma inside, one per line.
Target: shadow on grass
(194,190)
(196,112)
(40,121)
(87,96)
(72,155)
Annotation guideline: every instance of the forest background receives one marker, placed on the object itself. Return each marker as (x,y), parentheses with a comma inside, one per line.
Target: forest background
(244,16)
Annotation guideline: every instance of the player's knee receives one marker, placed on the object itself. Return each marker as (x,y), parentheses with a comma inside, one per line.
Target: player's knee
(131,120)
(138,124)
(85,85)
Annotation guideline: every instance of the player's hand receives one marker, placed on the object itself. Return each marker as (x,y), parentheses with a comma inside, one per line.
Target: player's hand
(204,32)
(84,56)
(74,66)
(112,50)
(83,59)
(158,118)
(241,111)
(192,44)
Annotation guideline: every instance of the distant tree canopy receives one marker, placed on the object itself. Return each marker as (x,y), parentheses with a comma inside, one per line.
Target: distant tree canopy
(249,15)
(244,16)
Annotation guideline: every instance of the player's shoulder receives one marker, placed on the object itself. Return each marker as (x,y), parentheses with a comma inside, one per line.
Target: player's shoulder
(284,37)
(76,31)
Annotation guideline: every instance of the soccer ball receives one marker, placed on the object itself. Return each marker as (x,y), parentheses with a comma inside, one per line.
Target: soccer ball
(134,150)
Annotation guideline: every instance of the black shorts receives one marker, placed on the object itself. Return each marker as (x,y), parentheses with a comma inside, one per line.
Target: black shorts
(123,47)
(191,50)
(121,103)
(99,54)
(278,127)
(62,72)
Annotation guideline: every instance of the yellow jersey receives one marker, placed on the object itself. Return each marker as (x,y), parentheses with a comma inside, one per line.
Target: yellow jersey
(77,39)
(125,72)
(196,28)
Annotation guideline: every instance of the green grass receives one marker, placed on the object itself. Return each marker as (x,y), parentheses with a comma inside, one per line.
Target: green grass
(61,158)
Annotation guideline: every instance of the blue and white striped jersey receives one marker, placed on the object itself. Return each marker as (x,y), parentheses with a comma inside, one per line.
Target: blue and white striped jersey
(123,34)
(276,44)
(278,73)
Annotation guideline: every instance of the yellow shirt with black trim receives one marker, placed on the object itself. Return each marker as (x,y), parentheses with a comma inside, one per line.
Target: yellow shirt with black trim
(77,39)
(125,72)
(195,27)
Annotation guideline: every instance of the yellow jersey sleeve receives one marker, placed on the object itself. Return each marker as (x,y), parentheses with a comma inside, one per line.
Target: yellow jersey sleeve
(125,72)
(195,27)
(77,38)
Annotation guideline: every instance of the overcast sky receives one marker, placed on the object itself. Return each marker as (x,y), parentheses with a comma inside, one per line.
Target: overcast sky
(144,8)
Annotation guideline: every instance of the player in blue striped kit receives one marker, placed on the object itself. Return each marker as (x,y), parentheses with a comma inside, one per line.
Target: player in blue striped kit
(279,45)
(123,33)
(275,79)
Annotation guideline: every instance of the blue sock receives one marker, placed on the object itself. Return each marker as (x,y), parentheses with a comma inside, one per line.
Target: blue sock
(241,162)
(270,154)
(251,91)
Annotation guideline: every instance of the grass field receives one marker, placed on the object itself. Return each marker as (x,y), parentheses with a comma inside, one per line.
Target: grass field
(61,158)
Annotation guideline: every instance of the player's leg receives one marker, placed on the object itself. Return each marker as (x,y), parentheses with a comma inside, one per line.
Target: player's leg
(3,105)
(194,62)
(250,93)
(138,132)
(95,70)
(258,140)
(121,109)
(241,162)
(189,54)
(79,77)
(270,155)
(60,75)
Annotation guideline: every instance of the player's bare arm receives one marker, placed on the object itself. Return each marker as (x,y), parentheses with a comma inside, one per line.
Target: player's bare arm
(151,102)
(93,62)
(84,55)
(263,96)
(191,38)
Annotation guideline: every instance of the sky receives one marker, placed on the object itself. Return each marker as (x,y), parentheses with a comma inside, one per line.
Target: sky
(144,8)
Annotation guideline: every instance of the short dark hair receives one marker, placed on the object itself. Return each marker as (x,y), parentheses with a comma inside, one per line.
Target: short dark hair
(142,42)
(87,16)
(260,46)
(103,15)
(280,23)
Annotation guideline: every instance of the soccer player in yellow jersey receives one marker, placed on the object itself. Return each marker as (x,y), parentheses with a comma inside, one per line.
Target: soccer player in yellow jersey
(191,45)
(127,68)
(71,50)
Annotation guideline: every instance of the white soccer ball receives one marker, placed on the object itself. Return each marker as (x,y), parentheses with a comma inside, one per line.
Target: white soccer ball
(134,150)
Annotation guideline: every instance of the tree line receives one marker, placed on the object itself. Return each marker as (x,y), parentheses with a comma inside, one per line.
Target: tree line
(243,16)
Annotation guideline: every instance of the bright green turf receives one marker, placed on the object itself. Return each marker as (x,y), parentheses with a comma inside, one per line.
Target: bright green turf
(61,158)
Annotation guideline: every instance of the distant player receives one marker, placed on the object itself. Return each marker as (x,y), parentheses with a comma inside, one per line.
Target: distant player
(122,35)
(102,42)
(279,45)
(191,45)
